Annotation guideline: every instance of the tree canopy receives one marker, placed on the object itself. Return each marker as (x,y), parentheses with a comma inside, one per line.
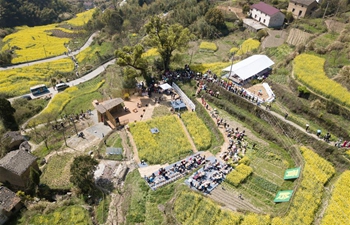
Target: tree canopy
(82,173)
(166,38)
(30,12)
(6,115)
(131,58)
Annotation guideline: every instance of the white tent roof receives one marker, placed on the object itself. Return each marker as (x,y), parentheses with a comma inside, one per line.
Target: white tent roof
(165,86)
(250,66)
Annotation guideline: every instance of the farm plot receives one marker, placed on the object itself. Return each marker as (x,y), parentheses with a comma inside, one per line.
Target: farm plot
(338,209)
(18,81)
(197,129)
(71,101)
(168,145)
(309,70)
(56,174)
(64,215)
(297,37)
(81,18)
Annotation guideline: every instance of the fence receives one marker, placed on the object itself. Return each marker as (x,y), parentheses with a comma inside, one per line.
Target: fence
(184,97)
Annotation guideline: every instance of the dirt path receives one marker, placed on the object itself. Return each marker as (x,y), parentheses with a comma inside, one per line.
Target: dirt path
(194,148)
(134,148)
(127,151)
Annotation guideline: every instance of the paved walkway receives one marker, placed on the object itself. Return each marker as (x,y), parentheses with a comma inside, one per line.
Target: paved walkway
(87,44)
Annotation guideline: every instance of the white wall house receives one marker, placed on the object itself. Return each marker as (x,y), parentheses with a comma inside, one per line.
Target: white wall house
(267,15)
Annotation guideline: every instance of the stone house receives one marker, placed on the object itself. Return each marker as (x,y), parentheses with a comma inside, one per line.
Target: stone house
(9,204)
(15,168)
(301,8)
(267,15)
(108,110)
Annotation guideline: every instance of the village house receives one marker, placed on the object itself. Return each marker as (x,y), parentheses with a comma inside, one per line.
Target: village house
(10,204)
(267,15)
(301,8)
(108,110)
(15,168)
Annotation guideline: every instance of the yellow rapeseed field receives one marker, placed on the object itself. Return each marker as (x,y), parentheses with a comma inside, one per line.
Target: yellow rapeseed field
(338,207)
(18,81)
(81,18)
(309,70)
(32,43)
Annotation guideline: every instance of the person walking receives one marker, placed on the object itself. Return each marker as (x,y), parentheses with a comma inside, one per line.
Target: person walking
(307,128)
(285,116)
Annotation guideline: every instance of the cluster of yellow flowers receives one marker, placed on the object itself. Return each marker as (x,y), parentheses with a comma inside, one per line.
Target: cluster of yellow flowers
(169,144)
(215,67)
(81,18)
(309,70)
(247,46)
(308,196)
(338,208)
(151,53)
(197,129)
(208,46)
(239,174)
(18,81)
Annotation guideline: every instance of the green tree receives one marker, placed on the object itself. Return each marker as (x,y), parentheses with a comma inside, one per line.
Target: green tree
(166,38)
(131,57)
(215,18)
(82,173)
(6,115)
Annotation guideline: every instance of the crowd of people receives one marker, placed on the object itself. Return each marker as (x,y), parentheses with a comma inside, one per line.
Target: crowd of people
(175,171)
(208,177)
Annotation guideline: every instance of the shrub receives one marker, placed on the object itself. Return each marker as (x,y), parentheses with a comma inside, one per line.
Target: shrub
(248,46)
(239,174)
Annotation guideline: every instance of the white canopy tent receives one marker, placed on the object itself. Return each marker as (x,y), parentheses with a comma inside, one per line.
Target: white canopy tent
(165,86)
(249,67)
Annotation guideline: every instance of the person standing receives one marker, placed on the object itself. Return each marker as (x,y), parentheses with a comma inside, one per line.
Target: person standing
(285,116)
(307,127)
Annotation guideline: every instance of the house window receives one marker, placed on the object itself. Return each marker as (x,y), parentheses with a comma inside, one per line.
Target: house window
(300,12)
(255,15)
(264,20)
(295,3)
(293,10)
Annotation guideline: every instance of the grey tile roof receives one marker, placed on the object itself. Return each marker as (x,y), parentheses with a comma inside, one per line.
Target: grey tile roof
(17,161)
(8,199)
(102,107)
(303,2)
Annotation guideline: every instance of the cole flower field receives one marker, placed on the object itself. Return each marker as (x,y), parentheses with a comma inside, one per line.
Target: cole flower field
(197,129)
(309,70)
(338,207)
(18,81)
(33,43)
(167,146)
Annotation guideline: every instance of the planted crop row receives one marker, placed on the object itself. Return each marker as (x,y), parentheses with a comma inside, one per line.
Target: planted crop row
(208,46)
(197,129)
(169,145)
(309,70)
(265,184)
(338,209)
(239,174)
